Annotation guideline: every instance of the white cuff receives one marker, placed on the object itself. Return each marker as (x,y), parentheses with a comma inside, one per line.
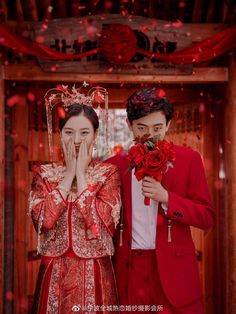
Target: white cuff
(165,207)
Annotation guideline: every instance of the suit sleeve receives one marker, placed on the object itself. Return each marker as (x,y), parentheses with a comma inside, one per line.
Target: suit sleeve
(195,209)
(100,204)
(45,204)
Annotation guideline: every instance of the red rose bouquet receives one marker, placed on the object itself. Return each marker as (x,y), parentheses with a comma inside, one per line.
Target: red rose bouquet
(151,157)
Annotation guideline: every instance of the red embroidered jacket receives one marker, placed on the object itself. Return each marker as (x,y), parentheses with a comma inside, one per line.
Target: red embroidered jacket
(85,222)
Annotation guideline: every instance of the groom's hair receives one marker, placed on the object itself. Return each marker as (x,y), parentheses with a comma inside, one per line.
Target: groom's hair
(148,100)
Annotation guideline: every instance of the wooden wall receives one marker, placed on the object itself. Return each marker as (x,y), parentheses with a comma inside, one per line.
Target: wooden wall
(2,151)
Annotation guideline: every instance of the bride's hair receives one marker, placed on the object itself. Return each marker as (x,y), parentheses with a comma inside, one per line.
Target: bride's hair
(76,110)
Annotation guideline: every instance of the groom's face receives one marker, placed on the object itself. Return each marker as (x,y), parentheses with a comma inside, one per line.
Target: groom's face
(153,124)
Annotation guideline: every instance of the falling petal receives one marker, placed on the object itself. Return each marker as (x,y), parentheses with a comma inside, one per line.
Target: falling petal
(219,184)
(201,107)
(9,295)
(31,97)
(50,8)
(39,39)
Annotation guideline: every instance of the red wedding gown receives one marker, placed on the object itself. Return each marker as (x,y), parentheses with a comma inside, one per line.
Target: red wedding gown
(75,241)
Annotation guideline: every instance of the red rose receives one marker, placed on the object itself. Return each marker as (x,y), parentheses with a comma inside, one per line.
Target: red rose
(167,149)
(140,174)
(156,164)
(136,155)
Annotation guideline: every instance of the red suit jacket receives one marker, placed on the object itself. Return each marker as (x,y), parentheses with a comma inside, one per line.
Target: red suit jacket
(189,204)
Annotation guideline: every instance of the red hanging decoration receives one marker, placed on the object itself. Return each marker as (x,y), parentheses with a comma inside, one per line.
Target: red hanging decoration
(117,44)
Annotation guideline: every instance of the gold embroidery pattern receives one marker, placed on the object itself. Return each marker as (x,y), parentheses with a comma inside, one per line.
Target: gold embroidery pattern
(54,289)
(56,197)
(89,248)
(89,287)
(53,172)
(73,282)
(40,223)
(55,241)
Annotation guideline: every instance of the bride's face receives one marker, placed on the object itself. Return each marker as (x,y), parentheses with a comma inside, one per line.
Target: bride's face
(78,128)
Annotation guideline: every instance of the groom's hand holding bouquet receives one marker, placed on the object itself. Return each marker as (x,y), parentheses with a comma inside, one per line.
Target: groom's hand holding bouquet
(151,158)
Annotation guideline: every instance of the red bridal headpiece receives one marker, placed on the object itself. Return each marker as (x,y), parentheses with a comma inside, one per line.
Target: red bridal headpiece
(65,97)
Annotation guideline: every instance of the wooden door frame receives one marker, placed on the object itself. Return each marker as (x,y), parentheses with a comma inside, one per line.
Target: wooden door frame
(204,75)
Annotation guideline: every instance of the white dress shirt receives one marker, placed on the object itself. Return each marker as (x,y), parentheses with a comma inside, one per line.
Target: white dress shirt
(144,218)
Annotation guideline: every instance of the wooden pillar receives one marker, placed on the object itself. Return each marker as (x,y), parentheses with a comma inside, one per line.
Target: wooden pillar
(21,220)
(230,166)
(2,151)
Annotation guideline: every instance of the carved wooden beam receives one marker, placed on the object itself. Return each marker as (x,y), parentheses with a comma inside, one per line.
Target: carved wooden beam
(32,72)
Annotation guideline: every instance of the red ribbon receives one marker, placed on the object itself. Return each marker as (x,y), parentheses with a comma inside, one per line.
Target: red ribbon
(206,50)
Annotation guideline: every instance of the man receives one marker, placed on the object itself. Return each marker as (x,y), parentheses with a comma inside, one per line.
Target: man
(156,266)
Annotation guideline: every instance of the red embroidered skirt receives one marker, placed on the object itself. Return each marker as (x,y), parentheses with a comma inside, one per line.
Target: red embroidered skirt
(69,284)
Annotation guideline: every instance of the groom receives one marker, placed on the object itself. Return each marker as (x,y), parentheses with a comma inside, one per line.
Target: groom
(156,267)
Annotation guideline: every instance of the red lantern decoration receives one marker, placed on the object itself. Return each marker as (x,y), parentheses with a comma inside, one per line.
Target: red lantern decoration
(117,44)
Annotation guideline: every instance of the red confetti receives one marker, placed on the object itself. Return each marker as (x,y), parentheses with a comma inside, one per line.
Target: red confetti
(39,39)
(24,304)
(61,112)
(9,295)
(13,100)
(108,5)
(118,149)
(53,68)
(207,164)
(108,283)
(154,23)
(94,229)
(177,24)
(144,29)
(95,2)
(57,291)
(161,93)
(14,135)
(124,12)
(22,185)
(44,27)
(228,141)
(202,107)
(182,4)
(31,96)
(218,184)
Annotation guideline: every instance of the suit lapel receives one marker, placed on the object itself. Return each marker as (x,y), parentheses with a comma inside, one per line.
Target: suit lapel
(127,194)
(168,178)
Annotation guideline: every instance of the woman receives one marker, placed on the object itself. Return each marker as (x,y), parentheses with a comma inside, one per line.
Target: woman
(75,209)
